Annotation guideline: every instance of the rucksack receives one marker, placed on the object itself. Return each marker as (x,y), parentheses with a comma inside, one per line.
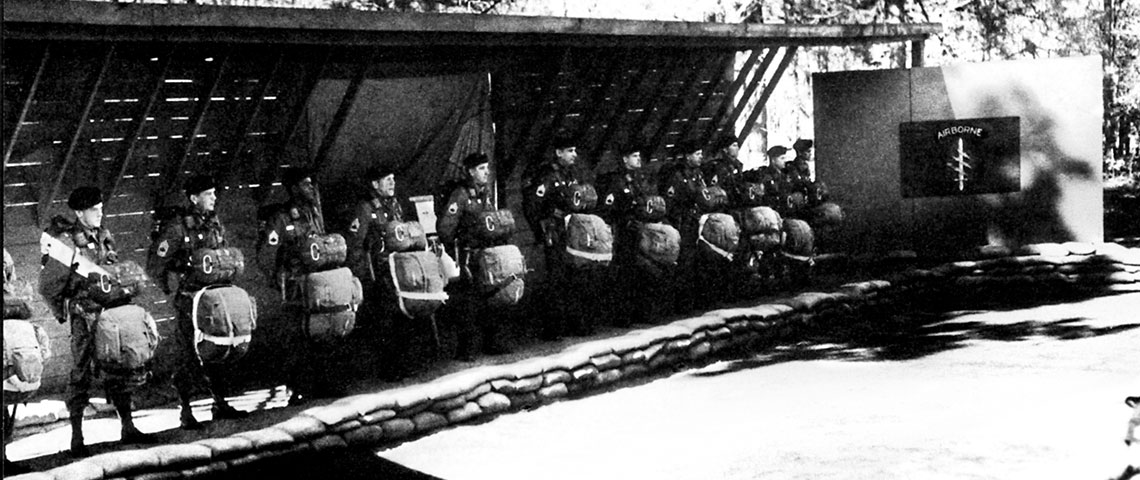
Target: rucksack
(499,271)
(490,227)
(651,208)
(224,320)
(589,240)
(330,299)
(125,339)
(322,252)
(404,237)
(747,194)
(213,266)
(659,242)
(580,197)
(419,280)
(124,281)
(798,238)
(711,199)
(26,349)
(760,220)
(719,232)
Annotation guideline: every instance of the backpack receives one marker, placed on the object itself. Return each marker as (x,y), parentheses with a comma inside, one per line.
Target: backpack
(26,349)
(419,280)
(124,281)
(798,237)
(580,197)
(718,232)
(322,252)
(490,227)
(659,242)
(651,208)
(711,199)
(499,271)
(748,194)
(589,241)
(330,299)
(404,237)
(213,266)
(760,220)
(125,339)
(225,317)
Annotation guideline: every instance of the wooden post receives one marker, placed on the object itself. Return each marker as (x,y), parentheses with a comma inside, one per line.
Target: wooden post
(45,201)
(687,90)
(518,148)
(710,90)
(140,121)
(27,104)
(917,53)
(730,94)
(751,89)
(789,54)
(628,93)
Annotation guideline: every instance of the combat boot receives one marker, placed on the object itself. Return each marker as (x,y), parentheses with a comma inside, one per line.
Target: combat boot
(130,433)
(78,447)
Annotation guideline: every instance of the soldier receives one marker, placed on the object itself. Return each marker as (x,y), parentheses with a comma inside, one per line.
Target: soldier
(724,168)
(62,290)
(196,227)
(473,196)
(369,262)
(804,163)
(545,203)
(681,187)
(777,186)
(287,227)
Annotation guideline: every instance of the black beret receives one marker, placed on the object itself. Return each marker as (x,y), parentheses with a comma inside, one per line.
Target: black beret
(200,183)
(83,198)
(629,148)
(777,151)
(294,175)
(378,171)
(685,147)
(803,145)
(723,140)
(475,159)
(562,142)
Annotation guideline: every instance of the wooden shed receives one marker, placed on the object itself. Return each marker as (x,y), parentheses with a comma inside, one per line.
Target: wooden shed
(133,98)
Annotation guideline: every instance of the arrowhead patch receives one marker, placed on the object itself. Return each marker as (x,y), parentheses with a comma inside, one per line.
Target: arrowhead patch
(670,192)
(273,238)
(453,208)
(163,248)
(355,227)
(541,190)
(610,199)
(714,180)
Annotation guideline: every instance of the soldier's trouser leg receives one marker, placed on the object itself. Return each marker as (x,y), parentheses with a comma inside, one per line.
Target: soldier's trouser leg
(466,321)
(189,367)
(82,375)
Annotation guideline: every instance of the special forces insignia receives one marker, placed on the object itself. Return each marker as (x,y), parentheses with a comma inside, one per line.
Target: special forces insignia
(714,180)
(163,248)
(453,209)
(670,192)
(610,199)
(273,238)
(355,227)
(541,190)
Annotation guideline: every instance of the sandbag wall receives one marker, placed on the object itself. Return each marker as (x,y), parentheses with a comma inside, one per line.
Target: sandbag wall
(385,418)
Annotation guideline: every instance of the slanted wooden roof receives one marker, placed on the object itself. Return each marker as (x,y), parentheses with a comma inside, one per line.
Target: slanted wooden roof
(197,23)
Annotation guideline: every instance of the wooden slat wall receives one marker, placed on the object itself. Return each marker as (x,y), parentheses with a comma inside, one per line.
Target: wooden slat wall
(162,111)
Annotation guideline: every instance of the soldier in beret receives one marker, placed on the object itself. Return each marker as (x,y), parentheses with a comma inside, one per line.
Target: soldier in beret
(63,292)
(472,313)
(168,261)
(294,221)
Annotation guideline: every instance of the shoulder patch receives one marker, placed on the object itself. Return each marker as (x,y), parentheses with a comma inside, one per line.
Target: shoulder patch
(714,180)
(355,227)
(293,212)
(541,191)
(453,208)
(610,199)
(671,191)
(273,238)
(163,248)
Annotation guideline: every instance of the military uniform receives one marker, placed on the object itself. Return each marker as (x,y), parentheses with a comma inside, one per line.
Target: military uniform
(638,292)
(169,260)
(470,305)
(621,194)
(681,189)
(365,235)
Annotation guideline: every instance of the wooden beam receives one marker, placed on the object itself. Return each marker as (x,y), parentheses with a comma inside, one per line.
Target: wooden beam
(27,104)
(140,121)
(608,82)
(172,174)
(730,94)
(747,95)
(566,99)
(917,53)
(247,122)
(709,92)
(789,54)
(687,90)
(341,114)
(628,93)
(519,145)
(656,93)
(201,23)
(45,201)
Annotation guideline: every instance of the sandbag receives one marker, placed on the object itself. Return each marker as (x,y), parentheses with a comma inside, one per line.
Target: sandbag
(330,299)
(798,238)
(125,339)
(490,227)
(659,242)
(589,240)
(322,252)
(404,237)
(651,208)
(711,199)
(214,266)
(124,280)
(719,232)
(500,272)
(224,320)
(827,214)
(760,220)
(16,307)
(580,197)
(419,281)
(26,349)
